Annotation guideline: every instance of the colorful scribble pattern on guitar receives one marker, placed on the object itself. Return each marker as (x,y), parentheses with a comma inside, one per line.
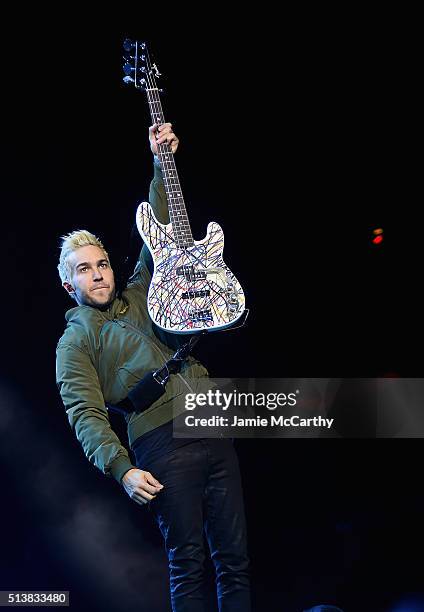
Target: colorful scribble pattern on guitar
(192,288)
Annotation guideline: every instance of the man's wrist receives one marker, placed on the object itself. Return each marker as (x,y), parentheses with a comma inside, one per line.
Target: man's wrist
(120,466)
(124,474)
(157,169)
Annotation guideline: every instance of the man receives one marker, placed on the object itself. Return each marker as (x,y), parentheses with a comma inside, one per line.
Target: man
(106,354)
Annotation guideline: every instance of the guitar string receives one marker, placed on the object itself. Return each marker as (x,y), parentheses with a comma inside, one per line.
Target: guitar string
(155,115)
(182,226)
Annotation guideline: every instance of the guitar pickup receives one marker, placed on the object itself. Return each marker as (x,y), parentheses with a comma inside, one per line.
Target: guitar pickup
(201,315)
(190,273)
(187,295)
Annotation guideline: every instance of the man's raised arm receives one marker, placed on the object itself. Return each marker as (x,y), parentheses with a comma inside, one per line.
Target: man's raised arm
(157,194)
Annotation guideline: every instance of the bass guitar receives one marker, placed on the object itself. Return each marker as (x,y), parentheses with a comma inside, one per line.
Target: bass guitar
(192,289)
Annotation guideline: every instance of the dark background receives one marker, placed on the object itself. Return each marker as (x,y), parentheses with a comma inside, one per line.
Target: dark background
(299,135)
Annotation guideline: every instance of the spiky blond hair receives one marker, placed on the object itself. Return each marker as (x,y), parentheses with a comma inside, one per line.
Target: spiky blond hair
(70,243)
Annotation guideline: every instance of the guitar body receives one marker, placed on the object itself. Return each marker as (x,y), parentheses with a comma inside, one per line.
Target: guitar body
(192,289)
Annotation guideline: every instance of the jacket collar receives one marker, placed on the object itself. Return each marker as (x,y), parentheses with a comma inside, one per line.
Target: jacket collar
(118,307)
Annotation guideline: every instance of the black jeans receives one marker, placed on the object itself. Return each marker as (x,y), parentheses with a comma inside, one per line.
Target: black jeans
(202,491)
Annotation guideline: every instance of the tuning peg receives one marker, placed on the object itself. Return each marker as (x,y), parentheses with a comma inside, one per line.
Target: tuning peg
(141,58)
(128,45)
(127,80)
(128,69)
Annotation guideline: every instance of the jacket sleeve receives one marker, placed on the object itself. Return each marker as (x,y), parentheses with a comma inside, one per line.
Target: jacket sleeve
(157,197)
(157,194)
(87,414)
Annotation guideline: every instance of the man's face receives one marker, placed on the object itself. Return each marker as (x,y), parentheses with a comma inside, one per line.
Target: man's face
(92,280)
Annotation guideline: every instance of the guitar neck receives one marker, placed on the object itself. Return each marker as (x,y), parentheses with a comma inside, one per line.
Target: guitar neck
(174,195)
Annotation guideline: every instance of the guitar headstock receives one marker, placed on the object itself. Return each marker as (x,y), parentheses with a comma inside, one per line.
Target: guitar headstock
(138,67)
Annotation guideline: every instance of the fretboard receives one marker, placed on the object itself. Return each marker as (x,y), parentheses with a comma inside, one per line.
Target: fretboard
(177,210)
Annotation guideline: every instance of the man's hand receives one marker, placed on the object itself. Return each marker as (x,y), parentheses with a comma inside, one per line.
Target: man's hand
(160,134)
(141,486)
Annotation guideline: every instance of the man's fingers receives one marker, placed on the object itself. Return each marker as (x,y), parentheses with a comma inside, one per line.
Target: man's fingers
(164,130)
(142,496)
(152,129)
(165,127)
(170,137)
(152,481)
(150,489)
(161,134)
(143,499)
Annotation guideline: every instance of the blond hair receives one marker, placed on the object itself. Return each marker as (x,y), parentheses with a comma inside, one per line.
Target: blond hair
(70,243)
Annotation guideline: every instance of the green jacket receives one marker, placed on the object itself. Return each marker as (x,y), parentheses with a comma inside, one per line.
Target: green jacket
(103,354)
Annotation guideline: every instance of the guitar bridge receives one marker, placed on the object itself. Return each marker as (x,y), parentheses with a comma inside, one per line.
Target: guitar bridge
(201,315)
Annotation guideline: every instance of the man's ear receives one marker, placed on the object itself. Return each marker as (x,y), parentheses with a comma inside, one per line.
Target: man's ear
(68,287)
